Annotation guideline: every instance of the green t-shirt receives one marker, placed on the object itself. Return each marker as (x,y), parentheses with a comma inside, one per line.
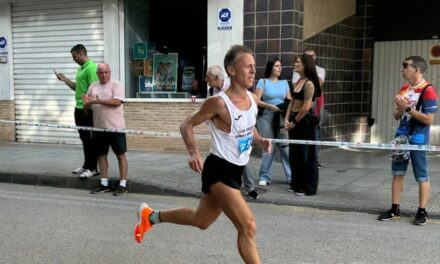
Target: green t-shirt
(85,76)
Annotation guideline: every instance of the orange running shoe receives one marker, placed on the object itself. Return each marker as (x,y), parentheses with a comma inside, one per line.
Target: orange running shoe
(144,224)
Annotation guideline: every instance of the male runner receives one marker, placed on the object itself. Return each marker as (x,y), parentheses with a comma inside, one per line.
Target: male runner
(232,117)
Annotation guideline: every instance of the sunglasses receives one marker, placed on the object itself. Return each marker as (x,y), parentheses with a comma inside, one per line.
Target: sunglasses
(406,64)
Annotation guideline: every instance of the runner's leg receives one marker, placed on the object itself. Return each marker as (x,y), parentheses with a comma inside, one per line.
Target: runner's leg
(235,207)
(202,217)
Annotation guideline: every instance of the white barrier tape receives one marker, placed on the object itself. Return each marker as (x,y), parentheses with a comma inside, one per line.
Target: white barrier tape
(126,131)
(383,146)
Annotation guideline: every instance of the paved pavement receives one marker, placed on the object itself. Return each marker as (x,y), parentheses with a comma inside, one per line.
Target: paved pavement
(351,179)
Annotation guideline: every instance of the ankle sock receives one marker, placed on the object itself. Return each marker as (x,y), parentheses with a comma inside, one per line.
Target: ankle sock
(154,218)
(123,183)
(104,182)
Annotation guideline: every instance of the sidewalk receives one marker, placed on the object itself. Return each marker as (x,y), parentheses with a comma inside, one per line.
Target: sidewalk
(351,180)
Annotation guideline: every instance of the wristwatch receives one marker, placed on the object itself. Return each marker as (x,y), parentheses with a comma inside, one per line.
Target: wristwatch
(408,109)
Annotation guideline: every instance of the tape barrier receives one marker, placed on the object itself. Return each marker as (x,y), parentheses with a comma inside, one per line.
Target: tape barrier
(383,146)
(126,131)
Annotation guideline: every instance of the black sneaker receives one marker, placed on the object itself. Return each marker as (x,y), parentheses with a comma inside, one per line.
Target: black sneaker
(389,215)
(253,195)
(319,165)
(421,218)
(100,189)
(120,190)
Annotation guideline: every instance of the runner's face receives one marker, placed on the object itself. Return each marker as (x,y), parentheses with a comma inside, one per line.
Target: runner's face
(244,70)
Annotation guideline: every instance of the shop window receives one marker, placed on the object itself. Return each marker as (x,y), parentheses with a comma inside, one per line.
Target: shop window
(165,48)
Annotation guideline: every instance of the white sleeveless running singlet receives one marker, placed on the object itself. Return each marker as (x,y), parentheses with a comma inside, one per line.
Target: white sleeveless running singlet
(236,146)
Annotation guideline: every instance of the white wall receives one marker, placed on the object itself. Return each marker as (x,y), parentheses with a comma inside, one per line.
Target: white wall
(6,80)
(219,41)
(111,37)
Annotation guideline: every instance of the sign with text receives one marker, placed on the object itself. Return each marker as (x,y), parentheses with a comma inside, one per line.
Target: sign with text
(224,20)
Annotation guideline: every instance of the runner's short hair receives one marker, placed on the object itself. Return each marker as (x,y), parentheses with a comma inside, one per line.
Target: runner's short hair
(232,54)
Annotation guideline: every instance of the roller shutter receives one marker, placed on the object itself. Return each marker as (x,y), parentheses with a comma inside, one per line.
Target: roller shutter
(43,34)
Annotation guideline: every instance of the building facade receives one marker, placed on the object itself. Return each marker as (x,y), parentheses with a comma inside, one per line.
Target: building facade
(139,38)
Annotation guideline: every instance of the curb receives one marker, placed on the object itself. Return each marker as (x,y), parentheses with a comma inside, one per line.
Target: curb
(75,183)
(57,181)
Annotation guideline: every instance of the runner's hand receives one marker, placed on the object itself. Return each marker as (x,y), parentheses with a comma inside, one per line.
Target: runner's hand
(266,145)
(196,163)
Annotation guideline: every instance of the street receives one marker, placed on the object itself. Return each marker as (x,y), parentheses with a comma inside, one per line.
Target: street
(54,225)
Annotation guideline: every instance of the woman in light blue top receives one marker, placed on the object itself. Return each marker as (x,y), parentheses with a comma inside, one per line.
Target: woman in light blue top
(272,93)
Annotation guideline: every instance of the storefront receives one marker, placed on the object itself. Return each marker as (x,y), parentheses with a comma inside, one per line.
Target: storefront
(158,49)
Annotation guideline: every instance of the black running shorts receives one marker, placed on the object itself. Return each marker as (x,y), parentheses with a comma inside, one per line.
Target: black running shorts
(216,169)
(103,140)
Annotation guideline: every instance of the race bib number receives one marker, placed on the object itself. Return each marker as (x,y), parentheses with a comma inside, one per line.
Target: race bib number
(245,144)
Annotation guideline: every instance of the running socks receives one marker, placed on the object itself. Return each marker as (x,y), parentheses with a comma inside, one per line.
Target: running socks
(154,218)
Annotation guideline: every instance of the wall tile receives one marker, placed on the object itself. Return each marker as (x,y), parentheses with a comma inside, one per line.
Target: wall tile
(261,5)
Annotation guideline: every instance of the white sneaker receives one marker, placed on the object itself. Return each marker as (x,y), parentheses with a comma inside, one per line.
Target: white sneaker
(88,173)
(262,183)
(79,170)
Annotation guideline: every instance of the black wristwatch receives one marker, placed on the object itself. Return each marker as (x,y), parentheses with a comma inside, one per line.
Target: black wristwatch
(408,109)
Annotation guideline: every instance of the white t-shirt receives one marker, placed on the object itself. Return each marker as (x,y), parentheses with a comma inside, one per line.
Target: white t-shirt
(319,70)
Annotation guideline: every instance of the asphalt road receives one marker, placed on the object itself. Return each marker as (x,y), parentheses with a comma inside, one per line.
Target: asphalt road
(50,225)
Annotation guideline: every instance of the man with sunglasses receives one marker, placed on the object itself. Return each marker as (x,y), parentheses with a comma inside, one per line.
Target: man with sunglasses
(416,105)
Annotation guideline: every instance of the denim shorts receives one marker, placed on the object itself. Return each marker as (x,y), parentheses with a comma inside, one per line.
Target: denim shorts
(419,161)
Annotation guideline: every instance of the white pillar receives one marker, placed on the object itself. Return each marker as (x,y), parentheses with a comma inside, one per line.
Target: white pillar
(6,69)
(111,37)
(219,41)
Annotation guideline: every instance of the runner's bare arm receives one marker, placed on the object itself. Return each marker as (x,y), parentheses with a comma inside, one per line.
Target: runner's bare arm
(207,111)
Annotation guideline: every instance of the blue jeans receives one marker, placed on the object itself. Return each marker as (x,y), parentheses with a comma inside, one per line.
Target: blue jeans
(266,130)
(248,179)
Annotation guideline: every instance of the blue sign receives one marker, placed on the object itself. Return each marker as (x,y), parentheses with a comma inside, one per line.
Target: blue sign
(224,15)
(224,19)
(3,42)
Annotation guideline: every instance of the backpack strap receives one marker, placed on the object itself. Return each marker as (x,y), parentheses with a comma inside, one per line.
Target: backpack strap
(418,106)
(420,101)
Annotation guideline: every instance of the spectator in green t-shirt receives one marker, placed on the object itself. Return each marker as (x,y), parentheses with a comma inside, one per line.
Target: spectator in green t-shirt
(85,75)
